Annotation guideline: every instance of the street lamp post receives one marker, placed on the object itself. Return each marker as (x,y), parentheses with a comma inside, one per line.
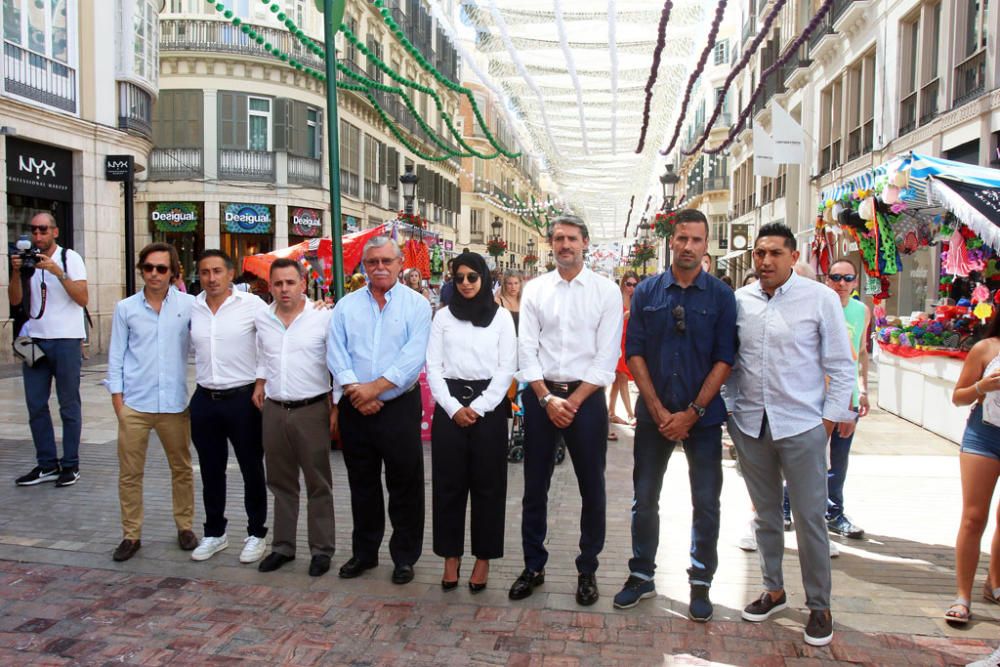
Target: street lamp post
(669,182)
(497,226)
(408,184)
(531,253)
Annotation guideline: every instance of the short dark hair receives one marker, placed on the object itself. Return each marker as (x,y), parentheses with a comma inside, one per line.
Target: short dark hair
(284,263)
(159,246)
(215,252)
(845,260)
(690,215)
(778,229)
(573,220)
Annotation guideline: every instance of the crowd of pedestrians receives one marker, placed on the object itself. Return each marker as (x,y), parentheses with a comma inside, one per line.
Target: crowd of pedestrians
(781,362)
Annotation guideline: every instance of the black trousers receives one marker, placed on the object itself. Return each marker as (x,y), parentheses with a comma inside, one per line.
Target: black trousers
(237,420)
(390,436)
(466,463)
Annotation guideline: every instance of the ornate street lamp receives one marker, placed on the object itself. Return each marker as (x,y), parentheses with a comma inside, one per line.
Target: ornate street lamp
(497,226)
(669,182)
(408,185)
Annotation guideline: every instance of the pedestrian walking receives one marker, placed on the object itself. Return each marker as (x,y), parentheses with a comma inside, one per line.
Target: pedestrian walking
(509,297)
(978,385)
(569,336)
(471,360)
(792,384)
(293,394)
(224,338)
(628,283)
(376,349)
(147,378)
(681,345)
(50,289)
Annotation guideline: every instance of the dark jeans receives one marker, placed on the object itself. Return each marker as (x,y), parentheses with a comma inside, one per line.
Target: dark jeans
(390,436)
(587,441)
(214,422)
(651,454)
(62,361)
(840,449)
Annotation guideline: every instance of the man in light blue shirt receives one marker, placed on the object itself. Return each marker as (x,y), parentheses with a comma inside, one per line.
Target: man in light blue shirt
(147,372)
(376,349)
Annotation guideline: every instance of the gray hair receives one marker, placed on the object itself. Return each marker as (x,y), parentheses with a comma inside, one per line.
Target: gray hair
(378,242)
(574,220)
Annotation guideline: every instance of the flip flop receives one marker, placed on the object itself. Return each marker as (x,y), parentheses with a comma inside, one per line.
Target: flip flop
(955,616)
(612,436)
(615,419)
(991,594)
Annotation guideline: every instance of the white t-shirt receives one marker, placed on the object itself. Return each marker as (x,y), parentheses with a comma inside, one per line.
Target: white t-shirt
(63,317)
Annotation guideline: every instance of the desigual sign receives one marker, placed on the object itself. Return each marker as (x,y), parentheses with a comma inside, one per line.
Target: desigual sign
(39,170)
(247,219)
(305,221)
(175,217)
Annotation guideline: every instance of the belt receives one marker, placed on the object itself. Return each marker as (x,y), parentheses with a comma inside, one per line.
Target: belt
(466,391)
(566,388)
(291,405)
(222,394)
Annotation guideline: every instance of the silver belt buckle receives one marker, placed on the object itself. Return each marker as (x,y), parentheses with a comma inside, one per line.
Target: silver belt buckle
(467,388)
(562,387)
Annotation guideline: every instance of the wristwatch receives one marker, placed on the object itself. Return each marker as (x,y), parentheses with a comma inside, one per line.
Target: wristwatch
(544,400)
(698,410)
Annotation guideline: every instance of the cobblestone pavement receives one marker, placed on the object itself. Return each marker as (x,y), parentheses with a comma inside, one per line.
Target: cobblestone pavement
(64,601)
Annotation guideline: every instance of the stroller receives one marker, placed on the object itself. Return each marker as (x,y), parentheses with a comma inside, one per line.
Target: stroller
(515,443)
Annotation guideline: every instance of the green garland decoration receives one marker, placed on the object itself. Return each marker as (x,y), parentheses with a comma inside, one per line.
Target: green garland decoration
(399,135)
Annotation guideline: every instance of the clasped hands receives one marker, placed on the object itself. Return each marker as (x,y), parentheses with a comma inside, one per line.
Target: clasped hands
(364,397)
(673,425)
(561,411)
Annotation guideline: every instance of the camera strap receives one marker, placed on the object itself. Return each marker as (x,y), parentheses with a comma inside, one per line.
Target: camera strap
(44,290)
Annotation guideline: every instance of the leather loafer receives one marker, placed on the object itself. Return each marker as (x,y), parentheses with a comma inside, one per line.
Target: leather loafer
(355,566)
(525,584)
(319,565)
(187,540)
(273,561)
(586,590)
(402,574)
(126,550)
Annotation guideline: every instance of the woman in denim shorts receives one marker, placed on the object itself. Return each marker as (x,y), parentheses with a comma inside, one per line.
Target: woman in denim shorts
(980,466)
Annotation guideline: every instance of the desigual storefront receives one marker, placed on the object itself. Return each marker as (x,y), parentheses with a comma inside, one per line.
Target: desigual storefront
(246,229)
(304,224)
(180,224)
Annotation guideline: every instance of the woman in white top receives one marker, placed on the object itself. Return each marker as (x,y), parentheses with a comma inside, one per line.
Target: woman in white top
(471,360)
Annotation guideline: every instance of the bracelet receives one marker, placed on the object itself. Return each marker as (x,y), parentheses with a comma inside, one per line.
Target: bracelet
(978,390)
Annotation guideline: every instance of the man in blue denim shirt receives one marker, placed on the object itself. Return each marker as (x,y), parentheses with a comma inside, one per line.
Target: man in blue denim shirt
(680,347)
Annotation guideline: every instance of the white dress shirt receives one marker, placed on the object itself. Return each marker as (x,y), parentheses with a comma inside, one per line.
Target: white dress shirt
(63,317)
(571,330)
(293,359)
(225,342)
(794,359)
(459,350)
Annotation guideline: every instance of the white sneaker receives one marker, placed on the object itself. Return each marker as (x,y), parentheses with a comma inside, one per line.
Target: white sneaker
(749,540)
(834,549)
(208,547)
(253,549)
(992,660)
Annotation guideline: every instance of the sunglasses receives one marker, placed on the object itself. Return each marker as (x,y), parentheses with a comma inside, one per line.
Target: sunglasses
(162,269)
(631,284)
(471,277)
(39,229)
(384,261)
(841,277)
(679,325)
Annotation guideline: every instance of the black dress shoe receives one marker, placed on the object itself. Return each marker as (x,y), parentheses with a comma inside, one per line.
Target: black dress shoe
(586,590)
(319,565)
(452,585)
(525,584)
(402,574)
(355,566)
(477,588)
(273,561)
(126,550)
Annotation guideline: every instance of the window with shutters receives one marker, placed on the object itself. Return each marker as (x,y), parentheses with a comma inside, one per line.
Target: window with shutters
(178,119)
(313,148)
(372,190)
(350,159)
(259,123)
(476,218)
(351,51)
(721,52)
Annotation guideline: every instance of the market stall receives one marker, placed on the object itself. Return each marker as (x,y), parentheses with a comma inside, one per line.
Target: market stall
(921,208)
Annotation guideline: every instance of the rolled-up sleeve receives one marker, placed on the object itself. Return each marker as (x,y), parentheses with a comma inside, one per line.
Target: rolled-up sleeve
(838,364)
(607,340)
(724,347)
(413,354)
(116,350)
(527,341)
(338,361)
(506,366)
(435,367)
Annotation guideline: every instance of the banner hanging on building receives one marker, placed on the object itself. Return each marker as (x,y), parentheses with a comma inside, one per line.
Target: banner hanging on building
(175,217)
(306,222)
(763,153)
(789,137)
(247,219)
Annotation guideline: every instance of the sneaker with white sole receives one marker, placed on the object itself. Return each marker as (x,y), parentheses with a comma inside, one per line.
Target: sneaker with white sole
(749,541)
(38,476)
(209,546)
(834,549)
(253,549)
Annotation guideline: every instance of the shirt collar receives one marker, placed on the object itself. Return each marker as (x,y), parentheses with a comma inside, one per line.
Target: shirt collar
(166,297)
(389,294)
(700,280)
(582,278)
(202,298)
(787,285)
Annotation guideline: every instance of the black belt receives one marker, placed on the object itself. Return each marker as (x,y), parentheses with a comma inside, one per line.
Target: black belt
(566,388)
(466,391)
(291,405)
(222,394)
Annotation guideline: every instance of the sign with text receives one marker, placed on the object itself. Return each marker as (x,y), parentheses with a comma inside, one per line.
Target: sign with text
(175,217)
(118,167)
(306,222)
(247,218)
(39,170)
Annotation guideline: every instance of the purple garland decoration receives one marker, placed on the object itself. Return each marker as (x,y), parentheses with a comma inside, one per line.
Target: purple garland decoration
(668,6)
(740,66)
(628,218)
(699,68)
(778,64)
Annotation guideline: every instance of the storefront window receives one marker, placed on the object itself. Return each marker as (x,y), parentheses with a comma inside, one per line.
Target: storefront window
(247,229)
(180,224)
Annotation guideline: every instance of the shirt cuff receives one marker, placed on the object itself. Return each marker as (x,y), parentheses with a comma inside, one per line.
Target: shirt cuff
(831,413)
(599,378)
(345,378)
(478,407)
(114,386)
(451,405)
(395,376)
(530,374)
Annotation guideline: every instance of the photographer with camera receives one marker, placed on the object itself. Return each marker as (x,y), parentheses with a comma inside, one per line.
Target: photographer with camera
(48,284)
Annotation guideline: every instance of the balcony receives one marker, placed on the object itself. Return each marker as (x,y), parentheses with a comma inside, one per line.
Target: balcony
(860,140)
(175,164)
(823,39)
(908,114)
(304,170)
(847,12)
(796,71)
(716,183)
(38,78)
(970,78)
(749,30)
(928,102)
(246,165)
(135,109)
(208,35)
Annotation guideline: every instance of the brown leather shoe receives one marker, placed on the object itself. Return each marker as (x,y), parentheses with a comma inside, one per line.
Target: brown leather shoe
(126,550)
(187,540)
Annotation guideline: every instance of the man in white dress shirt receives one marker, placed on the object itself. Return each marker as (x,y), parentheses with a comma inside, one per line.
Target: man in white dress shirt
(569,343)
(223,335)
(791,385)
(293,393)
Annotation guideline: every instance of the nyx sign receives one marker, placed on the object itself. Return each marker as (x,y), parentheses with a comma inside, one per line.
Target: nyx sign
(118,167)
(39,170)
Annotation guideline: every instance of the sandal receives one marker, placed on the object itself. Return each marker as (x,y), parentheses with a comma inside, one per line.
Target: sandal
(612,436)
(959,613)
(991,594)
(615,419)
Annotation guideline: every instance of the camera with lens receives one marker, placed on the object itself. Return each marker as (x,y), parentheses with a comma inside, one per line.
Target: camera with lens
(28,254)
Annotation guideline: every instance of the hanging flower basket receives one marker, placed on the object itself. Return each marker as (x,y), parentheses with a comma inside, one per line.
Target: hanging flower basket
(496,247)
(663,224)
(642,252)
(412,219)
(531,259)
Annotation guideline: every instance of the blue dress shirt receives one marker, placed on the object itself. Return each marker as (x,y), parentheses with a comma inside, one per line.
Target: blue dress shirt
(678,361)
(365,343)
(147,359)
